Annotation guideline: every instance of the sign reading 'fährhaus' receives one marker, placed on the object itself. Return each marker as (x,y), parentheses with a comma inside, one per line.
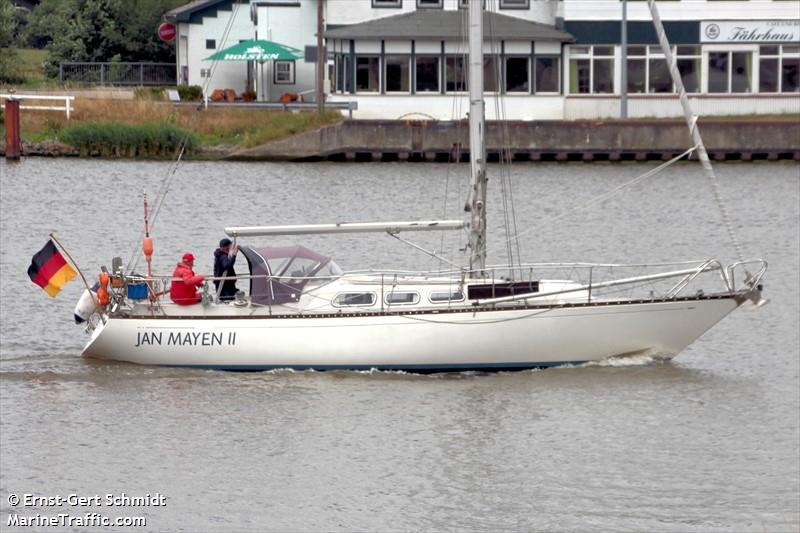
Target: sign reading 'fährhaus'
(750,31)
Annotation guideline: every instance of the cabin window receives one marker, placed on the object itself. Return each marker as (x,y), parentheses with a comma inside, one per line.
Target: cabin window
(367,74)
(401,298)
(300,267)
(397,74)
(331,270)
(448,296)
(427,71)
(284,72)
(515,4)
(517,78)
(360,299)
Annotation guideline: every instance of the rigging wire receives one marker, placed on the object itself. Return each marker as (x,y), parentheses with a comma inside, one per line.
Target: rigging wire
(612,192)
(691,121)
(505,157)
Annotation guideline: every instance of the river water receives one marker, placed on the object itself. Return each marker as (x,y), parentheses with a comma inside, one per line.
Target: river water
(707,442)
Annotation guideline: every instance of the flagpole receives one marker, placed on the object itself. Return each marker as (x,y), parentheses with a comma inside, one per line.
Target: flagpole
(71,260)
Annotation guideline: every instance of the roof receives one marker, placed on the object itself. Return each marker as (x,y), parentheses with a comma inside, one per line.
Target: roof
(446,24)
(196,10)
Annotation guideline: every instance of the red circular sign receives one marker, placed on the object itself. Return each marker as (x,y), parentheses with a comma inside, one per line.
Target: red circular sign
(166,32)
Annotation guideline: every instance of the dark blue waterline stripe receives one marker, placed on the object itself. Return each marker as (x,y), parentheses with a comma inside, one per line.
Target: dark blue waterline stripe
(484,367)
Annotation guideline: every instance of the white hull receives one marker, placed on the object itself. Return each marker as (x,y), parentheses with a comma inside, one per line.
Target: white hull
(445,340)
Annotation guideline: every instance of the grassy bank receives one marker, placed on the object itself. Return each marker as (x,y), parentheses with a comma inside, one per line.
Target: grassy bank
(145,128)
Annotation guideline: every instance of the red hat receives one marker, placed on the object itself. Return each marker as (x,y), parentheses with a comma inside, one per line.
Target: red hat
(189,258)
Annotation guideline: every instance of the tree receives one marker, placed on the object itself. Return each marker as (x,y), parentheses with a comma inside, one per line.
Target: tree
(105,30)
(8,29)
(40,29)
(139,20)
(83,31)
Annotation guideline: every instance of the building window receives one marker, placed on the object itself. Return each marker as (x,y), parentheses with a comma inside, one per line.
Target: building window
(790,69)
(429,4)
(284,73)
(648,71)
(491,74)
(515,4)
(689,62)
(463,4)
(368,74)
(637,69)
(768,69)
(397,74)
(387,3)
(427,71)
(591,69)
(547,74)
(779,69)
(659,80)
(517,75)
(339,66)
(211,44)
(455,72)
(730,72)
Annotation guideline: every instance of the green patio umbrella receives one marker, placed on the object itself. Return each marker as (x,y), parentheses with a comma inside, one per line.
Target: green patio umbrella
(257,50)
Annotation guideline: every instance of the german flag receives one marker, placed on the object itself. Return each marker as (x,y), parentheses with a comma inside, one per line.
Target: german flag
(49,270)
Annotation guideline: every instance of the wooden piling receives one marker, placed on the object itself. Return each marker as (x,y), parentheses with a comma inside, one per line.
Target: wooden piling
(13,149)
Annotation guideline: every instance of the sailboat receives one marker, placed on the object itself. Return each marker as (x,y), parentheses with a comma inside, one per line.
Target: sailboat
(303,312)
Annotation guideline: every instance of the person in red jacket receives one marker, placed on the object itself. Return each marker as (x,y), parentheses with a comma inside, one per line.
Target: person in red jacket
(182,289)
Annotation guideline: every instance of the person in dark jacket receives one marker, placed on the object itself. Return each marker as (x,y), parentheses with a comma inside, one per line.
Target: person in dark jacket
(182,290)
(223,267)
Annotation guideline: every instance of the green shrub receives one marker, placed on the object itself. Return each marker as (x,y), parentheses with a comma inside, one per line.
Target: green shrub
(114,139)
(190,93)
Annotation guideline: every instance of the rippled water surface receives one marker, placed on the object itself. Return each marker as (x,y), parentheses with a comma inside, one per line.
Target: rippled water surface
(707,442)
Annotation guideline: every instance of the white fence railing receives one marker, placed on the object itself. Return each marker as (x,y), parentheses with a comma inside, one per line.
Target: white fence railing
(67,107)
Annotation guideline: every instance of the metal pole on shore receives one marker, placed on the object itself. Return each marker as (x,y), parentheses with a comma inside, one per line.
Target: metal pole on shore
(623,101)
(12,129)
(321,61)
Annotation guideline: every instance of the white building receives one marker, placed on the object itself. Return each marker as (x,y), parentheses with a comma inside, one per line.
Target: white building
(547,59)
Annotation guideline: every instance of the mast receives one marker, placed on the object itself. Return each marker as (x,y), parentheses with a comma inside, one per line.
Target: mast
(476,205)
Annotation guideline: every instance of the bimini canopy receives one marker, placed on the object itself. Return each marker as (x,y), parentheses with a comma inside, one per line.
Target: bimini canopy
(280,272)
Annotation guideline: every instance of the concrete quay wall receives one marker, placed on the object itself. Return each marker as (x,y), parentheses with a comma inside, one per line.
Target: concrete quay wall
(557,140)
